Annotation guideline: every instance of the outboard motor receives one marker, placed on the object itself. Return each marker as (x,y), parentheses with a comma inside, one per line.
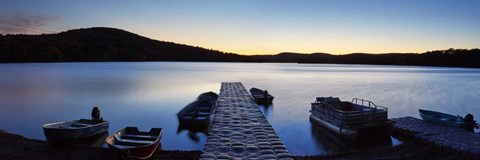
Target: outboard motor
(470,123)
(96,114)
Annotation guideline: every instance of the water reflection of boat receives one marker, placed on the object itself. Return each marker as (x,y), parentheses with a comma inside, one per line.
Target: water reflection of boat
(75,130)
(267,109)
(193,130)
(331,142)
(130,143)
(200,111)
(261,96)
(351,120)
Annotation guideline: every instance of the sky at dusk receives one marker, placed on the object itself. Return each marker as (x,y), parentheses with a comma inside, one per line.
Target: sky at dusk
(264,26)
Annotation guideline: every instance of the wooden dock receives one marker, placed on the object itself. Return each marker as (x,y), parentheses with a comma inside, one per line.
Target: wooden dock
(240,130)
(452,139)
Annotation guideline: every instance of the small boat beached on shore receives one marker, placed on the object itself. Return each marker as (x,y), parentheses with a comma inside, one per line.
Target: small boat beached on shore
(74,130)
(442,118)
(200,111)
(261,96)
(351,120)
(129,142)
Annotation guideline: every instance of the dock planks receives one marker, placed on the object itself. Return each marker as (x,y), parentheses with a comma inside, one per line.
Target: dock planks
(240,130)
(454,139)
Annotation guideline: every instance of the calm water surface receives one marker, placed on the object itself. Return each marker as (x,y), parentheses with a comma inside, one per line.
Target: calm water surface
(149,94)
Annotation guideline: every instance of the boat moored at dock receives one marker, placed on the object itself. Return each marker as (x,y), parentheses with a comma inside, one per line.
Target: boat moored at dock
(208,96)
(351,120)
(200,111)
(261,96)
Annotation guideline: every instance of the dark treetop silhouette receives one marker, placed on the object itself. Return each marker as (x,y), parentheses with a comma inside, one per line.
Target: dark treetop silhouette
(108,44)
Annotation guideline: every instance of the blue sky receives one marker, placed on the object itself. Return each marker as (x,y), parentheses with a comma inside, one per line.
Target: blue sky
(265,26)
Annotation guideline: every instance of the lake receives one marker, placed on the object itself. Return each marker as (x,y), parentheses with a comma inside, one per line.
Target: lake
(149,94)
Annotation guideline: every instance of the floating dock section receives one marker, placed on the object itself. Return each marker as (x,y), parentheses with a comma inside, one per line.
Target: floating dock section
(453,139)
(240,130)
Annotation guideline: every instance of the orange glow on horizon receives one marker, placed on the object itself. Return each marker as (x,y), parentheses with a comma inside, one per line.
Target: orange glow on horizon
(301,47)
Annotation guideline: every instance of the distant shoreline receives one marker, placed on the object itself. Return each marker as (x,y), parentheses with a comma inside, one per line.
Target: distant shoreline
(232,62)
(100,44)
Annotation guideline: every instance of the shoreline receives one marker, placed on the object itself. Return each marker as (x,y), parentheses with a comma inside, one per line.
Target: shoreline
(14,146)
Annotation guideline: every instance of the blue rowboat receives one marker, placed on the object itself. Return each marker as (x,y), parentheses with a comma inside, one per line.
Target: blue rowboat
(442,118)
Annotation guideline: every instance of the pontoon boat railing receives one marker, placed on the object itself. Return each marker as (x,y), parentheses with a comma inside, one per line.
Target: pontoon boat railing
(342,114)
(370,103)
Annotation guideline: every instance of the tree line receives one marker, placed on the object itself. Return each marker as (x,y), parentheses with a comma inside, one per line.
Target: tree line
(110,44)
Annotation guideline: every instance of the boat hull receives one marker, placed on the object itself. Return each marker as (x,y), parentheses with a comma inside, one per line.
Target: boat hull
(344,133)
(199,112)
(73,134)
(442,118)
(137,153)
(263,100)
(371,132)
(130,143)
(191,121)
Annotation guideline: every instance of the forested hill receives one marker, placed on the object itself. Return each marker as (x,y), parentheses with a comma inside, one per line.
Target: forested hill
(447,58)
(100,44)
(109,44)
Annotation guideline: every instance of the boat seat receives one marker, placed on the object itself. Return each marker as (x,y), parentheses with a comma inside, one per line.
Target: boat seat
(201,118)
(446,119)
(199,114)
(367,109)
(131,141)
(139,137)
(80,125)
(203,113)
(69,127)
(197,117)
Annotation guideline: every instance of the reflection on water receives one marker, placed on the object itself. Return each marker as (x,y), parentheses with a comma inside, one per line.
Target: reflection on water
(267,109)
(149,94)
(194,132)
(331,142)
